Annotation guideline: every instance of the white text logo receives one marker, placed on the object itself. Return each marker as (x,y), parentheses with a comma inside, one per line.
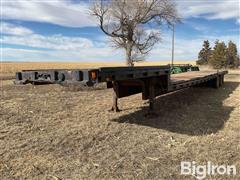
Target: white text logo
(201,171)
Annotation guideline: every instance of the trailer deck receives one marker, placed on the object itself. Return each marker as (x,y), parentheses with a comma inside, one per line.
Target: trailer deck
(151,81)
(192,78)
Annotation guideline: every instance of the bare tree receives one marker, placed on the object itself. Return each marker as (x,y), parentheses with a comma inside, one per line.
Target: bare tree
(131,24)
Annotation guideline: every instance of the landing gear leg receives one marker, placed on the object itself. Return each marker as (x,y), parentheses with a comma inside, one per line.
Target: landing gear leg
(151,113)
(115,98)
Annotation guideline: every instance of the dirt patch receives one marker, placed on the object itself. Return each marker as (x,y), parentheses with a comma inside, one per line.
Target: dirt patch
(52,131)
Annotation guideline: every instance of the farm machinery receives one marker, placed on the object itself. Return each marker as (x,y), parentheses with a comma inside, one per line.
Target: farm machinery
(180,68)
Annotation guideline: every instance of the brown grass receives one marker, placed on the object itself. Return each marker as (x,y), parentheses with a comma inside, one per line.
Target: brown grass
(50,131)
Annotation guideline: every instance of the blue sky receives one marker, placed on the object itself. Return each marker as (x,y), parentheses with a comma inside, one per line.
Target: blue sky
(63,30)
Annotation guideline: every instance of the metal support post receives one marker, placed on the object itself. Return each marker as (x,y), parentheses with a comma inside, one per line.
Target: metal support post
(115,98)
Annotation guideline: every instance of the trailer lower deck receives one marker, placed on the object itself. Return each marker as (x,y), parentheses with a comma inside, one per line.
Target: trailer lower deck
(158,85)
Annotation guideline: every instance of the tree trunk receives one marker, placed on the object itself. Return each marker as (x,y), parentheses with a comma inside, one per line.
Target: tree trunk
(128,49)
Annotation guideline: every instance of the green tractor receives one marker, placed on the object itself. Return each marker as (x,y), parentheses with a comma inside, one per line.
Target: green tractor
(181,68)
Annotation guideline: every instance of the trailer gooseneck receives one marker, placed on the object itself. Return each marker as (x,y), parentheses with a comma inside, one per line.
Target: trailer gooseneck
(151,81)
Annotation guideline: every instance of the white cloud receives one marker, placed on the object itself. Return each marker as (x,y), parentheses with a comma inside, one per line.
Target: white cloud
(55,42)
(60,12)
(85,55)
(187,49)
(200,27)
(19,35)
(7,28)
(52,48)
(218,9)
(64,48)
(69,14)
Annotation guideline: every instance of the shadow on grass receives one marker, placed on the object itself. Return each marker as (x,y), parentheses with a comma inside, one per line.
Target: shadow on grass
(193,111)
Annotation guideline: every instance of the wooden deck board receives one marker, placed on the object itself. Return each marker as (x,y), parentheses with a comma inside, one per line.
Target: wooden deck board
(192,78)
(191,75)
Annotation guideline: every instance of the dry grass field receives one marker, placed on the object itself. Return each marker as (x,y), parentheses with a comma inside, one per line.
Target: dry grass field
(54,132)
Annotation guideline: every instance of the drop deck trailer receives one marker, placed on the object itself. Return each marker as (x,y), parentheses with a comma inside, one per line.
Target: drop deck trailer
(151,81)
